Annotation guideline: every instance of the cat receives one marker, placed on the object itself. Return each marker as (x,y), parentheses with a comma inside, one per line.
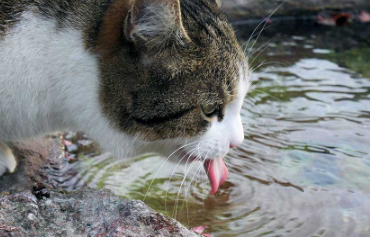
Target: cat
(135,75)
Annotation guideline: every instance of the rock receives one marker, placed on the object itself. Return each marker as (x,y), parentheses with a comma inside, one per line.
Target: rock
(247,9)
(82,213)
(36,161)
(49,211)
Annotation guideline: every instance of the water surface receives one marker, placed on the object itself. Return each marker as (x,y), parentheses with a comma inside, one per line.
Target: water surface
(303,169)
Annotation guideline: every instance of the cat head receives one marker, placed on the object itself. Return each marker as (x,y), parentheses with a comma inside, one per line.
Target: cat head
(172,73)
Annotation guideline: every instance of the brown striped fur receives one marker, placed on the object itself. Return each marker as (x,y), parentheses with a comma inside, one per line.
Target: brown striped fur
(151,87)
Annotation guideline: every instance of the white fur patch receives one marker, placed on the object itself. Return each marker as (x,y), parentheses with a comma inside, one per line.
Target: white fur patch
(49,82)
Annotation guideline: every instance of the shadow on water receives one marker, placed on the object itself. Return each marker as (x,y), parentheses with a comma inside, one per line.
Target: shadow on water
(304,167)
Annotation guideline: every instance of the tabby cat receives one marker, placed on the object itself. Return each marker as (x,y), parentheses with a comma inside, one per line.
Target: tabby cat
(135,75)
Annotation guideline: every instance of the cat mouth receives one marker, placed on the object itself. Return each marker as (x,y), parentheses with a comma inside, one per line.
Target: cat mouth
(216,171)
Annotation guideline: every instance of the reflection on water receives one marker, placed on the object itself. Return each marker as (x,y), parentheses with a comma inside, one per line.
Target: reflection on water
(303,169)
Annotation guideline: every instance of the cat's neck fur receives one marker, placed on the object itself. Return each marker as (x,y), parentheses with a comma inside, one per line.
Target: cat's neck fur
(64,96)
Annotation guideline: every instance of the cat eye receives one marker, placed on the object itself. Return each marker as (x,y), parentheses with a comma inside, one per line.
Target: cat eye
(209,109)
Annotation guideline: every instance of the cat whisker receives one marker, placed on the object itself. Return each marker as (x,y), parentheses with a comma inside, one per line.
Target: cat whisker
(264,46)
(263,27)
(252,70)
(184,179)
(261,49)
(132,144)
(267,69)
(254,104)
(201,164)
(253,34)
(187,189)
(169,180)
(245,48)
(268,95)
(151,183)
(198,156)
(182,182)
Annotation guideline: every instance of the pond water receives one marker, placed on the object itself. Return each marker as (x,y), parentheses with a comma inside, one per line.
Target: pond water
(303,169)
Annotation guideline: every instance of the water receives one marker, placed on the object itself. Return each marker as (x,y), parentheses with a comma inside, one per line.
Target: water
(303,169)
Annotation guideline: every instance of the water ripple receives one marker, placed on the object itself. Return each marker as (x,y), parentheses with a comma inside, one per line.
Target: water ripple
(303,169)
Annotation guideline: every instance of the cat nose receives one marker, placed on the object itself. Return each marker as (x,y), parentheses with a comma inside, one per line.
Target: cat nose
(237,134)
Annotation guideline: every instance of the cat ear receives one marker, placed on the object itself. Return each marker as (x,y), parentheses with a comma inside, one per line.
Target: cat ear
(155,22)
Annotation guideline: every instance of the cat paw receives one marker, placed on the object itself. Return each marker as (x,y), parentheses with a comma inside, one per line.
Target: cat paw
(7,159)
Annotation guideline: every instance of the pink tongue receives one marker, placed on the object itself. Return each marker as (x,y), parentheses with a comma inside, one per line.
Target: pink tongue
(217,173)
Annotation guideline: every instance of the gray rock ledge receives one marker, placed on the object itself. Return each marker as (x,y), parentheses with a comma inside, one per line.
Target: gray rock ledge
(248,9)
(82,213)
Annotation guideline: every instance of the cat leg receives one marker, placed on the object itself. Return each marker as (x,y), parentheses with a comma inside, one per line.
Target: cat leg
(7,159)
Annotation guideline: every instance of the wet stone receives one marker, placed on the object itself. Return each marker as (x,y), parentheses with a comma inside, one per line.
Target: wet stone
(82,213)
(40,191)
(247,9)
